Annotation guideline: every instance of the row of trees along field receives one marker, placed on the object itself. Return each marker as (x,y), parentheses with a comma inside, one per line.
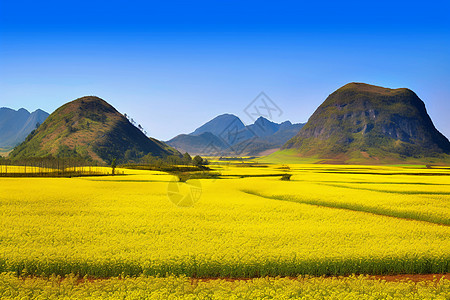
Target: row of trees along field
(196,161)
(68,167)
(50,167)
(171,163)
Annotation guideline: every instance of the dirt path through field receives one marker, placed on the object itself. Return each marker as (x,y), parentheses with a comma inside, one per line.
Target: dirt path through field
(391,278)
(414,278)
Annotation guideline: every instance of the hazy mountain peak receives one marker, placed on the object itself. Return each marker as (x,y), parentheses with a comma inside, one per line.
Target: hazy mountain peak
(39,111)
(220,124)
(23,110)
(261,120)
(15,125)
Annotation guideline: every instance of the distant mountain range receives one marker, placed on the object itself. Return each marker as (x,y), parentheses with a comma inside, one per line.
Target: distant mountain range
(366,123)
(15,125)
(227,135)
(90,128)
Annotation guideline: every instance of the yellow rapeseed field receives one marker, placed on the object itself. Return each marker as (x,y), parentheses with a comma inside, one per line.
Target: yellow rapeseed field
(327,220)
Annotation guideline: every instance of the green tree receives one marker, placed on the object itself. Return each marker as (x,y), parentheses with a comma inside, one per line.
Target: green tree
(113,166)
(187,158)
(197,161)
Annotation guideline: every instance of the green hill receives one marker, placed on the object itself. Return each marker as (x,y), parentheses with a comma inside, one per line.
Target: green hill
(366,123)
(90,128)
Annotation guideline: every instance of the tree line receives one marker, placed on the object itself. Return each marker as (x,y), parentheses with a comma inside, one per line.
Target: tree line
(170,163)
(49,167)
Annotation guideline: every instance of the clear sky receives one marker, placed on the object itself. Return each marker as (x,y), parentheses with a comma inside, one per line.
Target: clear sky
(173,65)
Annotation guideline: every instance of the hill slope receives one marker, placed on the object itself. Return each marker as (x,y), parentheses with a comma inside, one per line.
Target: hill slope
(15,126)
(89,127)
(366,122)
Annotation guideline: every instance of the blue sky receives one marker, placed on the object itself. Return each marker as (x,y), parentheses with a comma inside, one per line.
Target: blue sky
(173,65)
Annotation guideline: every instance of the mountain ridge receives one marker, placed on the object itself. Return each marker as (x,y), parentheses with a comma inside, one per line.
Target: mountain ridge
(15,125)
